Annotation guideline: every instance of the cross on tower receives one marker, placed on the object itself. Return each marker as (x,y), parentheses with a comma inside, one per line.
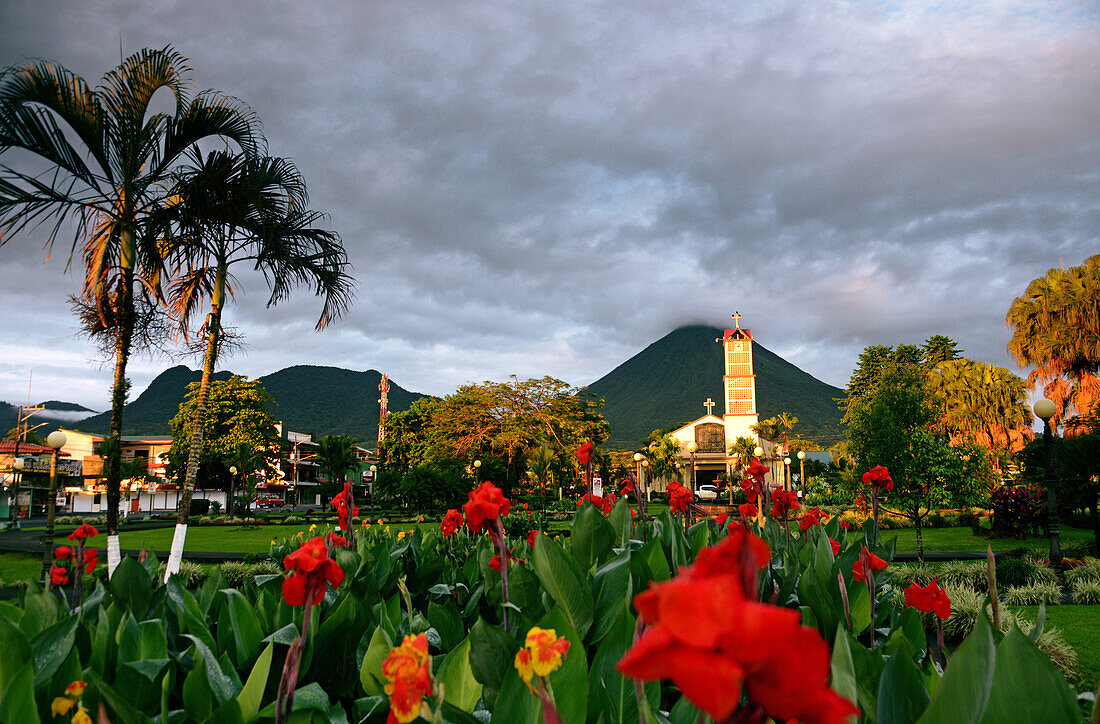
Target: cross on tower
(736,319)
(709,404)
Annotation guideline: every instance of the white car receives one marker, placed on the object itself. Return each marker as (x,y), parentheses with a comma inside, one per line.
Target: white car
(706,492)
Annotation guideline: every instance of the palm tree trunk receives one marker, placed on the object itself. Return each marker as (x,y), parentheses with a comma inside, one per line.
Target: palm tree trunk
(125,322)
(179,538)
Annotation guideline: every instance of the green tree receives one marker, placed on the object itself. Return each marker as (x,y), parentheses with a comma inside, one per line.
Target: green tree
(938,349)
(107,163)
(251,464)
(337,458)
(230,210)
(236,413)
(891,424)
(1056,329)
(406,439)
(983,404)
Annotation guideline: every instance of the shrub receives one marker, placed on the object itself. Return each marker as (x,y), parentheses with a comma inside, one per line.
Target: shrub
(1013,571)
(294,520)
(1089,570)
(936,520)
(1079,549)
(235,573)
(192,574)
(965,605)
(973,575)
(1034,594)
(1017,509)
(1086,591)
(199,506)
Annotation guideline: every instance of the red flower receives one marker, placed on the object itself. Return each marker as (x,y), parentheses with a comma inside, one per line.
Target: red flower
(532,536)
(811,518)
(59,576)
(844,524)
(748,510)
(487,502)
(584,453)
(91,560)
(835,546)
(627,487)
(930,598)
(494,562)
(859,573)
(62,552)
(452,521)
(733,642)
(407,670)
(604,505)
(878,477)
(783,502)
(678,497)
(84,531)
(310,571)
(340,502)
(336,541)
(721,519)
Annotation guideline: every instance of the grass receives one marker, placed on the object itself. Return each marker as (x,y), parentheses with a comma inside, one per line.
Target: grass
(1080,625)
(20,567)
(960,539)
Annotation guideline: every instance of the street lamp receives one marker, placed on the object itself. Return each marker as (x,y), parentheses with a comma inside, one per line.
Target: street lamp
(692,447)
(758,451)
(229,502)
(802,471)
(787,477)
(17,477)
(56,440)
(373,477)
(1044,410)
(477,472)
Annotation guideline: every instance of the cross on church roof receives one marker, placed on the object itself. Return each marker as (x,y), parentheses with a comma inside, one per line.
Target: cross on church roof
(736,319)
(709,404)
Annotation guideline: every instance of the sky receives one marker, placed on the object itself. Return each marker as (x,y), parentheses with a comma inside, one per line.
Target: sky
(538,188)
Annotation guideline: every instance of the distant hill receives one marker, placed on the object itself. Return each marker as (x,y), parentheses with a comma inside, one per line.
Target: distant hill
(315,400)
(56,414)
(666,383)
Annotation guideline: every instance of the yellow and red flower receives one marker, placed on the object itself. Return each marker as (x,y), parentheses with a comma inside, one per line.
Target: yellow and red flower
(486,503)
(407,670)
(542,653)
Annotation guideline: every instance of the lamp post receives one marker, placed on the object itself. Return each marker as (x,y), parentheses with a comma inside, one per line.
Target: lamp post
(787,474)
(692,448)
(373,477)
(802,472)
(1044,410)
(638,457)
(229,500)
(17,477)
(477,472)
(56,440)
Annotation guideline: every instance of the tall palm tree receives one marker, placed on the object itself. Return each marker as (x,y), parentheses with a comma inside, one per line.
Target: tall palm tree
(227,210)
(336,456)
(542,466)
(1056,329)
(107,161)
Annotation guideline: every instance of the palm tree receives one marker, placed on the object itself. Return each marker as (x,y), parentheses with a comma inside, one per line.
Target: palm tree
(542,466)
(1056,329)
(108,159)
(337,458)
(983,404)
(227,210)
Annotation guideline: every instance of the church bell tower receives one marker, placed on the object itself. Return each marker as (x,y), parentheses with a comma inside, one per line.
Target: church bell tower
(739,382)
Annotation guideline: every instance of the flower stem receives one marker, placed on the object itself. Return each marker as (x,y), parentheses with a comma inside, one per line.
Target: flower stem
(496,532)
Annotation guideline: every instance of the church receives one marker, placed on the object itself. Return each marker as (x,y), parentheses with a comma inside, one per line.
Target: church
(713,435)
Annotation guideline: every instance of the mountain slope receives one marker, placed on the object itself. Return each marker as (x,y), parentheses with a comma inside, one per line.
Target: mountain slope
(666,384)
(154,408)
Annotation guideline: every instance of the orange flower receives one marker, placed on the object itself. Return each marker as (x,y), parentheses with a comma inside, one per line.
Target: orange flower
(76,688)
(81,717)
(408,678)
(543,652)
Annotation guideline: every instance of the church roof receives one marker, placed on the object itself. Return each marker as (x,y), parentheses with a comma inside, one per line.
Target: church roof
(738,333)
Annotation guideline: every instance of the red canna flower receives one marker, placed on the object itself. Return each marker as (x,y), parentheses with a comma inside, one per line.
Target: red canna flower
(878,477)
(811,518)
(931,598)
(721,519)
(627,487)
(494,563)
(733,642)
(678,497)
(83,532)
(62,552)
(91,560)
(486,503)
(311,570)
(604,505)
(59,576)
(844,525)
(407,670)
(748,510)
(532,536)
(340,502)
(835,546)
(336,541)
(783,502)
(452,521)
(584,453)
(859,573)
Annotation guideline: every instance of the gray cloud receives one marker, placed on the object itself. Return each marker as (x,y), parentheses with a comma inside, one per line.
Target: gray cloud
(546,189)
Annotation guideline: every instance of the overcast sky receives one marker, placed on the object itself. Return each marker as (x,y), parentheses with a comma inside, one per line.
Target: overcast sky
(545,188)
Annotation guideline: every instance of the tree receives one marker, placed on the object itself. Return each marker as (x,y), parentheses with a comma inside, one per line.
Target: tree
(336,457)
(236,413)
(107,162)
(250,463)
(239,209)
(939,348)
(983,404)
(542,467)
(1056,329)
(891,424)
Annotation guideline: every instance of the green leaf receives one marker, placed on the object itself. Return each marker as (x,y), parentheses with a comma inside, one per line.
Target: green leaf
(492,654)
(901,694)
(370,671)
(445,620)
(655,559)
(570,682)
(823,598)
(619,690)
(252,692)
(51,647)
(612,586)
(117,704)
(591,537)
(18,702)
(247,633)
(221,684)
(1027,686)
(190,617)
(622,523)
(131,586)
(565,583)
(964,692)
(15,652)
(460,687)
(842,668)
(40,611)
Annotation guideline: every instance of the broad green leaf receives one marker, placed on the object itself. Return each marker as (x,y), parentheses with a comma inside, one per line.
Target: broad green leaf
(15,652)
(132,586)
(570,682)
(40,611)
(446,622)
(901,694)
(655,558)
(842,668)
(565,583)
(492,654)
(823,598)
(198,699)
(118,704)
(247,634)
(612,587)
(370,671)
(252,692)
(591,537)
(618,689)
(964,692)
(1027,686)
(622,523)
(18,702)
(460,688)
(221,684)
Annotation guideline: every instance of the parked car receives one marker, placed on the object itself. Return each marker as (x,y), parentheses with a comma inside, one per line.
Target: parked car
(706,492)
(270,501)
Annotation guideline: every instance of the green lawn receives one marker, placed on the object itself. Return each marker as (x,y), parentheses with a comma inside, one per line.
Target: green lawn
(1080,625)
(19,567)
(960,539)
